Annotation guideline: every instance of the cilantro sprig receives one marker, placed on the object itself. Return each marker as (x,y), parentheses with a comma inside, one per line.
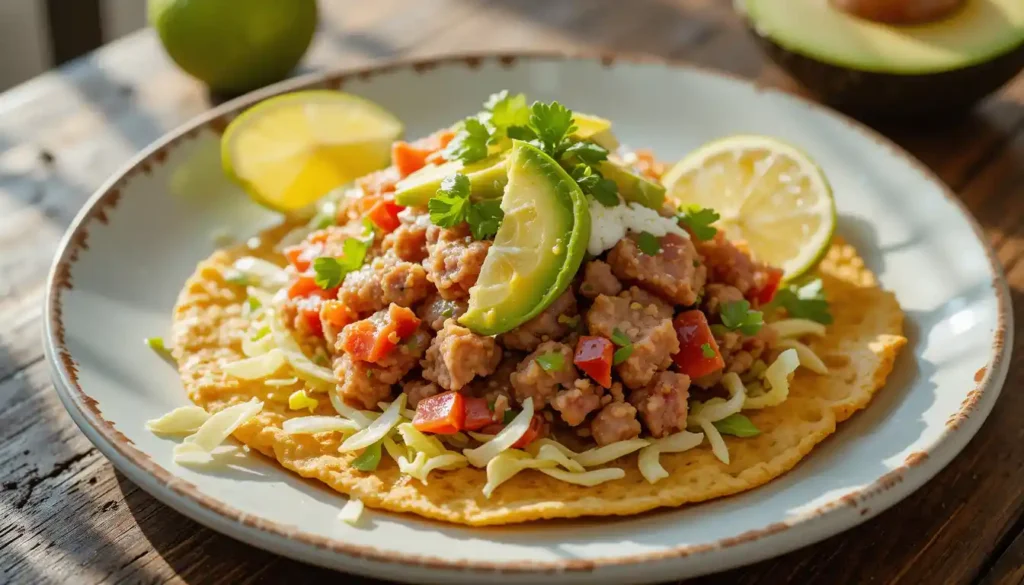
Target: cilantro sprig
(594,184)
(737,316)
(330,271)
(648,243)
(451,206)
(699,220)
(737,425)
(707,351)
(470,142)
(625,346)
(805,301)
(551,362)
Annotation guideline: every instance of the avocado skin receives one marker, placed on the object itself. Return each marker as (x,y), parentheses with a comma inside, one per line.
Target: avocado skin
(887,97)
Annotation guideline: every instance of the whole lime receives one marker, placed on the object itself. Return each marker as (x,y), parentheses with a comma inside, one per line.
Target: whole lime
(235,45)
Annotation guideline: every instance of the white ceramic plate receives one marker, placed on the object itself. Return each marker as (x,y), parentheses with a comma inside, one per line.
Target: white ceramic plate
(128,252)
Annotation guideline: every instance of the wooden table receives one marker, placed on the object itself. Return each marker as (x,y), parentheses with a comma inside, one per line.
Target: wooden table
(67,516)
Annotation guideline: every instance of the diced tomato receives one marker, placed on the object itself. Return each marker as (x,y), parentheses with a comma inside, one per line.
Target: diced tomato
(308,310)
(764,294)
(594,357)
(492,429)
(336,314)
(532,432)
(305,286)
(441,414)
(408,158)
(302,255)
(372,339)
(384,213)
(478,415)
(694,336)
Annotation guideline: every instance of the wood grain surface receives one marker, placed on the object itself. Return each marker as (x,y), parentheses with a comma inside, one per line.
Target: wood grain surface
(67,516)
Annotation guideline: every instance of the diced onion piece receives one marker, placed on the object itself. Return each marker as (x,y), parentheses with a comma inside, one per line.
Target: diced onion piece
(308,425)
(777,376)
(610,452)
(257,367)
(550,453)
(300,400)
(351,511)
(281,381)
(503,440)
(218,427)
(263,273)
(420,442)
(378,429)
(806,355)
(506,465)
(716,409)
(715,438)
(181,420)
(480,437)
(293,353)
(587,478)
(798,328)
(353,414)
(649,459)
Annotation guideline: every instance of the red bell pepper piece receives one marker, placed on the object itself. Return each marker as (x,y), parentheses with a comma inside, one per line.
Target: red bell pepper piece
(305,286)
(698,351)
(594,357)
(478,415)
(532,432)
(372,339)
(336,314)
(384,214)
(763,294)
(441,414)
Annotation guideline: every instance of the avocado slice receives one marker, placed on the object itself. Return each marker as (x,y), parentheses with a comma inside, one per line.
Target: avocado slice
(875,69)
(632,186)
(487,179)
(595,129)
(538,248)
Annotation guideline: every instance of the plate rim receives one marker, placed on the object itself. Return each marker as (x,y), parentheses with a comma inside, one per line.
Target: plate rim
(917,469)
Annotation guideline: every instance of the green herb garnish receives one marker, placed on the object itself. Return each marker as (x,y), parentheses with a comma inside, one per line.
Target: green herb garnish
(331,271)
(619,338)
(551,362)
(699,220)
(451,206)
(369,459)
(588,153)
(707,350)
(505,111)
(648,243)
(470,142)
(592,183)
(622,354)
(484,218)
(254,304)
(737,425)
(552,125)
(804,302)
(737,316)
(263,332)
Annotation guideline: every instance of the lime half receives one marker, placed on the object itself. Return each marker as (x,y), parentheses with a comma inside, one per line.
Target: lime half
(769,194)
(290,150)
(538,248)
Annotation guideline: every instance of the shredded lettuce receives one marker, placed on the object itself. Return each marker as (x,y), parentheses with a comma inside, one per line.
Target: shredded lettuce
(806,356)
(507,464)
(416,440)
(300,400)
(715,438)
(716,409)
(649,459)
(422,465)
(378,429)
(351,511)
(217,428)
(257,367)
(293,353)
(481,455)
(353,414)
(308,425)
(777,377)
(181,420)
(587,478)
(787,328)
(610,452)
(551,453)
(262,273)
(278,382)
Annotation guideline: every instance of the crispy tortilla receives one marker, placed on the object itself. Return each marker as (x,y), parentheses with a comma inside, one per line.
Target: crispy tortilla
(860,349)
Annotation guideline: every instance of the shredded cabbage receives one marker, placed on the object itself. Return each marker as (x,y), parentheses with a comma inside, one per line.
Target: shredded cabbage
(254,368)
(353,414)
(503,440)
(777,377)
(798,328)
(217,428)
(378,429)
(507,464)
(716,409)
(351,511)
(407,413)
(281,381)
(308,425)
(393,449)
(715,438)
(422,465)
(293,353)
(649,459)
(541,442)
(480,437)
(265,274)
(416,440)
(181,420)
(252,347)
(551,453)
(610,452)
(587,478)
(806,356)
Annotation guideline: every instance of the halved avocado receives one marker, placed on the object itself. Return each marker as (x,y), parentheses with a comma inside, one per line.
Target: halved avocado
(877,69)
(538,248)
(487,179)
(634,187)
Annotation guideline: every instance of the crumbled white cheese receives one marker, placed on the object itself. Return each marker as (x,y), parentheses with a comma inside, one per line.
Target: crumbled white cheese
(608,225)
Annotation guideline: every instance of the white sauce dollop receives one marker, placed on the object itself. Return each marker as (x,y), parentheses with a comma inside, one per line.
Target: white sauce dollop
(608,225)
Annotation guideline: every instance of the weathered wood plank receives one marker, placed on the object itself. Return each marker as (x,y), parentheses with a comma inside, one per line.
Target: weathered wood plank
(1009,568)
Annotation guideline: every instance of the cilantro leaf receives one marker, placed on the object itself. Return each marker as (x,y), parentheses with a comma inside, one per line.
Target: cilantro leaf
(331,271)
(520,133)
(699,220)
(369,459)
(804,302)
(552,123)
(448,207)
(506,111)
(551,362)
(737,316)
(587,152)
(619,338)
(622,354)
(707,350)
(470,142)
(593,184)
(648,243)
(737,425)
(484,218)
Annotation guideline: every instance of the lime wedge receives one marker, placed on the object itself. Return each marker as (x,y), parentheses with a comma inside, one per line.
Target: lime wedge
(769,194)
(290,150)
(538,248)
